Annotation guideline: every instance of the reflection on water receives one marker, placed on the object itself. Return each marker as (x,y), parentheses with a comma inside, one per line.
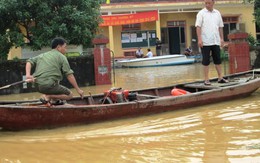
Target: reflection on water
(222,132)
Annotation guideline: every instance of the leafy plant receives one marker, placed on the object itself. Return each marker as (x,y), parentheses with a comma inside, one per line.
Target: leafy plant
(256,10)
(72,54)
(251,40)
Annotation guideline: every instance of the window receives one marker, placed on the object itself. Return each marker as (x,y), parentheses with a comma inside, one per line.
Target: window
(131,27)
(231,19)
(176,23)
(230,24)
(228,27)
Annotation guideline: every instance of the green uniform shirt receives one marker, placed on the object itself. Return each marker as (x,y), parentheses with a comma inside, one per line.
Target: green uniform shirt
(50,67)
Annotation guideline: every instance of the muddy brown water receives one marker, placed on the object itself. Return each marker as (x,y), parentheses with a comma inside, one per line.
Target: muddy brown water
(221,132)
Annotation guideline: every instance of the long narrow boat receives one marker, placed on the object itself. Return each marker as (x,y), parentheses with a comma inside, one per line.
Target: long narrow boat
(118,103)
(165,60)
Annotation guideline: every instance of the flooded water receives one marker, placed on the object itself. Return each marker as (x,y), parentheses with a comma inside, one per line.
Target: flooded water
(222,132)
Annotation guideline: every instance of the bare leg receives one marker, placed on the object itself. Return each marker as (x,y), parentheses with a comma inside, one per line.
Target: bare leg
(206,73)
(58,97)
(218,68)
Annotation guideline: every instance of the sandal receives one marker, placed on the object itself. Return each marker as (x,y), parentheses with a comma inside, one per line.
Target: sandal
(44,100)
(58,102)
(207,82)
(223,81)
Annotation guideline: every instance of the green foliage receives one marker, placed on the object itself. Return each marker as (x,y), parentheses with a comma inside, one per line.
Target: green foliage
(223,55)
(257,12)
(72,54)
(5,45)
(16,59)
(39,22)
(251,40)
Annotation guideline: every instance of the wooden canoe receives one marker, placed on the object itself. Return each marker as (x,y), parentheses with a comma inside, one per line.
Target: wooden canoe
(24,115)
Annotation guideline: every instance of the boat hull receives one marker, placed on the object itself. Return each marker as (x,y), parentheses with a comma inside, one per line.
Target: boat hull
(168,60)
(42,117)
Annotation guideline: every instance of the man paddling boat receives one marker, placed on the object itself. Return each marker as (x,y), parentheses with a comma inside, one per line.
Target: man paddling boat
(49,70)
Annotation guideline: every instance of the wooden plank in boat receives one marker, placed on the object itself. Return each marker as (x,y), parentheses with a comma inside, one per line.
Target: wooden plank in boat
(36,103)
(214,85)
(147,96)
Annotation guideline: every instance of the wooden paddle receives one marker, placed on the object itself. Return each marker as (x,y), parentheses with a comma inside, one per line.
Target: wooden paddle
(91,99)
(16,83)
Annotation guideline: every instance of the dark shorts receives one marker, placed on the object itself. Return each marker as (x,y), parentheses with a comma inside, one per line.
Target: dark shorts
(53,89)
(158,52)
(215,53)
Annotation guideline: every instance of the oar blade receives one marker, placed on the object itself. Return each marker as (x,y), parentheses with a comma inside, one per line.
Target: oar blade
(4,87)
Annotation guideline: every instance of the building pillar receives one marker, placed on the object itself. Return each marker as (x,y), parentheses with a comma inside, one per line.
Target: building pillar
(238,49)
(102,60)
(111,38)
(158,27)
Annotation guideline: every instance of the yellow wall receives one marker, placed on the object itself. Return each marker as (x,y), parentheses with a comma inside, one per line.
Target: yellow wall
(117,40)
(246,17)
(14,53)
(149,26)
(104,31)
(119,51)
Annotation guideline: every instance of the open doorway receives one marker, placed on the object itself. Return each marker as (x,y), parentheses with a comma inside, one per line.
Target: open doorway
(194,41)
(176,40)
(173,37)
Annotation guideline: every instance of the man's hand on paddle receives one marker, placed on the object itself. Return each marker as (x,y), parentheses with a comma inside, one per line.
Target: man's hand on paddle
(29,79)
(81,93)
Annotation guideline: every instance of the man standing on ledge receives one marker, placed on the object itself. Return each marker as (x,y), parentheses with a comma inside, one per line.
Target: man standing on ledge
(209,28)
(49,70)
